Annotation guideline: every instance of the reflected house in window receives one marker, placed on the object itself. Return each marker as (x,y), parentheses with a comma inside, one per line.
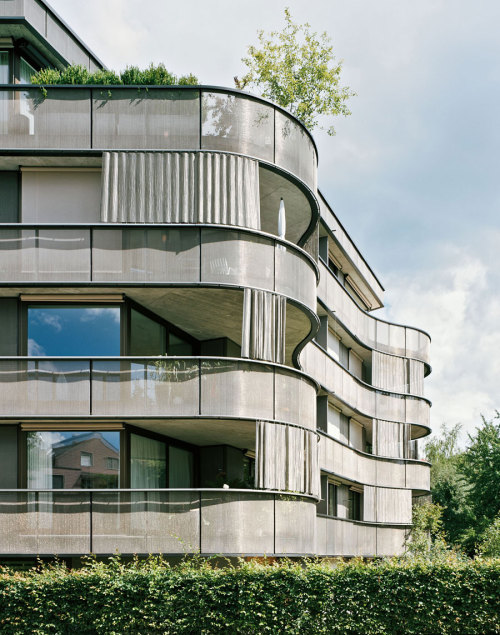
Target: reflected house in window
(190,357)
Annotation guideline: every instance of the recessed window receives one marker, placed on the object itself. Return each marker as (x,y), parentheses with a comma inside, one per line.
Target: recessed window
(332,499)
(69,459)
(88,330)
(112,463)
(86,459)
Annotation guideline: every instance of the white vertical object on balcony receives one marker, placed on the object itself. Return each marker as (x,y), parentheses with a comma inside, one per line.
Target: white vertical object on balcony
(180,187)
(263,328)
(282,220)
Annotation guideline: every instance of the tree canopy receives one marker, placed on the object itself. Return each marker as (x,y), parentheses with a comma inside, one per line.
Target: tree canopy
(466,485)
(296,68)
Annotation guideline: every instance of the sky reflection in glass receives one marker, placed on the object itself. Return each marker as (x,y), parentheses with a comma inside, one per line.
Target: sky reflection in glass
(86,331)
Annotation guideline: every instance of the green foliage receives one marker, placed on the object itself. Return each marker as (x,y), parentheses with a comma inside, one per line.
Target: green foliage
(296,69)
(427,538)
(77,74)
(466,483)
(490,543)
(307,598)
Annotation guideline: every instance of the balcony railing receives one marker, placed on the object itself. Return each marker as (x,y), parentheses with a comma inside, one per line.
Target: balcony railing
(372,402)
(156,387)
(374,333)
(370,469)
(76,522)
(166,254)
(156,118)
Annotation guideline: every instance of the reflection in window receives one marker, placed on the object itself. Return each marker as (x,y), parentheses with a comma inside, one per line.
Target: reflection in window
(69,330)
(178,346)
(72,460)
(147,337)
(180,467)
(148,463)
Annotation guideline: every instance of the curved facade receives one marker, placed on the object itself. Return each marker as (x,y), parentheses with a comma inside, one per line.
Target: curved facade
(184,365)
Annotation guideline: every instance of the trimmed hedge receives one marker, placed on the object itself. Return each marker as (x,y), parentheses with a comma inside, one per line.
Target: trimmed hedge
(413,597)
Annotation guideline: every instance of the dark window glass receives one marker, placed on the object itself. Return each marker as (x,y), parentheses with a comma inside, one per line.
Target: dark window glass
(354,511)
(147,337)
(9,195)
(179,346)
(72,460)
(332,499)
(180,467)
(88,331)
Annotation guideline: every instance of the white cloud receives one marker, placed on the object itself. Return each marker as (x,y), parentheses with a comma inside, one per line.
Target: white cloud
(455,305)
(95,313)
(47,319)
(35,349)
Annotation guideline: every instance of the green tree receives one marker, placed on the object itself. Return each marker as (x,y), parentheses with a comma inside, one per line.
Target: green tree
(481,467)
(449,487)
(297,69)
(426,538)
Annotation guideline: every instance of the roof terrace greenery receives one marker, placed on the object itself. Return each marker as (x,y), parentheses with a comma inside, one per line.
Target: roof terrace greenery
(153,75)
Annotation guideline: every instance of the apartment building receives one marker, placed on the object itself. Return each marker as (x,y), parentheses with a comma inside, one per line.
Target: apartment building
(189,358)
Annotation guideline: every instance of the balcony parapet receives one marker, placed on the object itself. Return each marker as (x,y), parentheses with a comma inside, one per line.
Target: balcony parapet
(370,469)
(174,521)
(83,118)
(372,332)
(166,387)
(166,254)
(371,402)
(342,537)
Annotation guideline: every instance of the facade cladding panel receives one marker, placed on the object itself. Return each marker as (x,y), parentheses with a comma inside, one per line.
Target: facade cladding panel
(188,355)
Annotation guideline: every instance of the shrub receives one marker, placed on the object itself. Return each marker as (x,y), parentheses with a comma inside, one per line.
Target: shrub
(410,597)
(77,74)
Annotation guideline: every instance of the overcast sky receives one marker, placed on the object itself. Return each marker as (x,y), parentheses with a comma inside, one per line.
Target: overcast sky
(412,173)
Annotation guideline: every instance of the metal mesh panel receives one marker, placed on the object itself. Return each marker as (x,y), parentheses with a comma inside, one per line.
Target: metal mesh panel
(43,387)
(163,387)
(237,523)
(418,476)
(390,338)
(263,327)
(139,119)
(230,388)
(145,522)
(295,276)
(295,400)
(295,525)
(232,257)
(390,541)
(61,119)
(159,255)
(237,124)
(44,523)
(294,149)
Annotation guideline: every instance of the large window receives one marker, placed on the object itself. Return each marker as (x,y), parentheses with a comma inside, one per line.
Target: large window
(148,462)
(73,459)
(73,330)
(4,67)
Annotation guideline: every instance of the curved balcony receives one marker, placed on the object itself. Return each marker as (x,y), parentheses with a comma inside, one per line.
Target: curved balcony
(157,118)
(369,469)
(167,254)
(131,388)
(231,522)
(339,537)
(376,334)
(366,400)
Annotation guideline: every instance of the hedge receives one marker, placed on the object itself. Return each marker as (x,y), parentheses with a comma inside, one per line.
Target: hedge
(152,597)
